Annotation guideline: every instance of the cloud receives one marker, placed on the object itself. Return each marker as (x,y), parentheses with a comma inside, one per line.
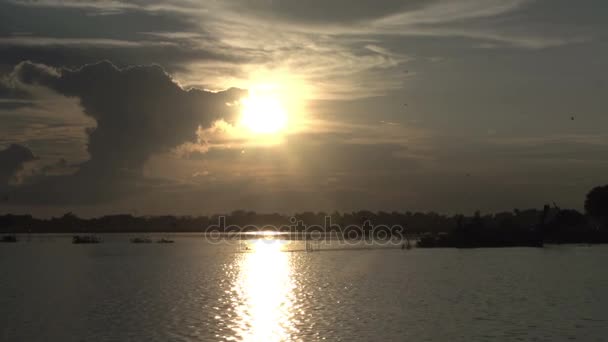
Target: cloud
(12,159)
(46,41)
(93,4)
(478,20)
(321,11)
(139,111)
(12,97)
(355,50)
(342,49)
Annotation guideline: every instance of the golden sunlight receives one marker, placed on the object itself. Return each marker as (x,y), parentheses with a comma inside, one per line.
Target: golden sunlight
(265,286)
(263,112)
(277,106)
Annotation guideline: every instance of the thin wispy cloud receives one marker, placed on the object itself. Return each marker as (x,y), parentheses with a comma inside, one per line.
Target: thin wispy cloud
(270,36)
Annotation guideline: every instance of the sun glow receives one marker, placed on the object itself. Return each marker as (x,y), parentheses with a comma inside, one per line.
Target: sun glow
(263,112)
(276,106)
(265,288)
(267,245)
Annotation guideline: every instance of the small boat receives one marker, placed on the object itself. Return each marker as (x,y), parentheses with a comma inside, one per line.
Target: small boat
(85,239)
(9,238)
(164,241)
(140,240)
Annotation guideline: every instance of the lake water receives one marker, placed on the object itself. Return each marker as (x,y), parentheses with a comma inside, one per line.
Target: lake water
(51,290)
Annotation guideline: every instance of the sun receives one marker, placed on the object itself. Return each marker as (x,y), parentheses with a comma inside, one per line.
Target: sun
(263,113)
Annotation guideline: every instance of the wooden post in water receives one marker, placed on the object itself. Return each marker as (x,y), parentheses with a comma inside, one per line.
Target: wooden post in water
(309,247)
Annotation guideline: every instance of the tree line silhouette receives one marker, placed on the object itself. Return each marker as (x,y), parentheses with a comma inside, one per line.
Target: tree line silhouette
(530,227)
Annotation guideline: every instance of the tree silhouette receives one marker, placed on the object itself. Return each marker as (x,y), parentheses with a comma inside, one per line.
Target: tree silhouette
(596,205)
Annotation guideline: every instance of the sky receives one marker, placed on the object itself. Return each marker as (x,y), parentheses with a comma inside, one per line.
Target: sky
(197,107)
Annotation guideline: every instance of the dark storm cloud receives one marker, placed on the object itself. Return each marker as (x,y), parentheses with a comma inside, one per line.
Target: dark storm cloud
(139,111)
(11,161)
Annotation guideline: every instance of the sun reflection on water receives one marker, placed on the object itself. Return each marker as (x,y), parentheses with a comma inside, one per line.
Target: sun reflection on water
(264,289)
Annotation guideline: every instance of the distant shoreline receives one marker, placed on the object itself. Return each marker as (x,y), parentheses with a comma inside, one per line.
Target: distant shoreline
(517,228)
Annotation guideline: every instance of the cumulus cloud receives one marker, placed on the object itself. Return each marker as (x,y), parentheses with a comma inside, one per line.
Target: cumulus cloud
(139,111)
(12,97)
(12,159)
